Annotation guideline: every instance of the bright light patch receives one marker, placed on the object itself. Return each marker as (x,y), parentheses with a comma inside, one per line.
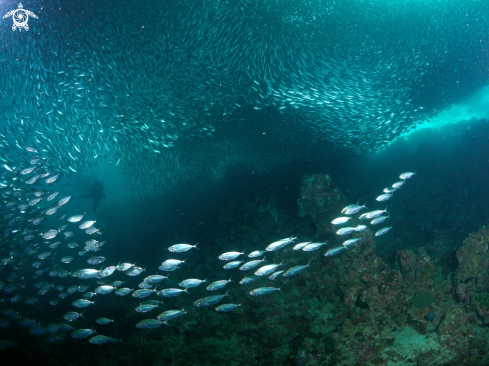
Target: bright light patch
(476,107)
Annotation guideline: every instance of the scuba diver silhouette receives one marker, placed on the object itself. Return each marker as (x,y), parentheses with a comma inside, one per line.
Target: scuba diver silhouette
(96,193)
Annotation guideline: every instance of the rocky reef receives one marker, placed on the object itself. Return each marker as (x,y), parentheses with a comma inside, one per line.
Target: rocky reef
(321,200)
(361,307)
(356,308)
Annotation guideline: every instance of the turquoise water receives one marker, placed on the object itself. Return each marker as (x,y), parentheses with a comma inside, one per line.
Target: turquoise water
(235,125)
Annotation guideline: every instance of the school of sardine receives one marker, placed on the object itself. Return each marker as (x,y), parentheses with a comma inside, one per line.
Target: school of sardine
(150,86)
(375,215)
(32,257)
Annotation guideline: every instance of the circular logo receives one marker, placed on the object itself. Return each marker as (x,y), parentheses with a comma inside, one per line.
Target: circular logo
(20,18)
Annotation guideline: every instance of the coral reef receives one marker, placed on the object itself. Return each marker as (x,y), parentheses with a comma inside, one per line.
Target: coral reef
(473,262)
(360,307)
(320,199)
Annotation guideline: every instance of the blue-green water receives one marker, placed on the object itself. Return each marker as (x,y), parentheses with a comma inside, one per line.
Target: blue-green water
(233,125)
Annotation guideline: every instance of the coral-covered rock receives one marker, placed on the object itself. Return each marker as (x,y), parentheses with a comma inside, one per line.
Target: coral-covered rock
(472,255)
(318,195)
(464,291)
(443,242)
(455,318)
(473,261)
(407,264)
(482,307)
(419,269)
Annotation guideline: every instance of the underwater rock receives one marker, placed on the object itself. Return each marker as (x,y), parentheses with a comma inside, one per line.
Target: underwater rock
(441,249)
(481,302)
(426,313)
(419,270)
(407,261)
(471,276)
(318,195)
(454,320)
(409,346)
(463,291)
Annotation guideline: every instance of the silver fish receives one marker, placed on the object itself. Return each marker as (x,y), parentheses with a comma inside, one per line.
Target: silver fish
(232,264)
(276,275)
(104,289)
(44,255)
(50,234)
(256,253)
(360,227)
(230,255)
(85,273)
(398,185)
(82,333)
(374,214)
(155,278)
(124,266)
(180,248)
(67,259)
(347,207)
(384,197)
(224,308)
(75,218)
(300,246)
(296,270)
(217,285)
(145,308)
(104,321)
(170,292)
(71,316)
(86,224)
(63,201)
(353,209)
(135,271)
(334,251)
(351,242)
(251,264)
(52,196)
(340,220)
(383,231)
(52,178)
(279,244)
(263,291)
(210,300)
(171,314)
(379,219)
(406,175)
(140,294)
(107,271)
(313,246)
(266,270)
(33,179)
(249,279)
(172,263)
(101,339)
(191,283)
(95,260)
(150,324)
(123,291)
(27,170)
(345,231)
(82,303)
